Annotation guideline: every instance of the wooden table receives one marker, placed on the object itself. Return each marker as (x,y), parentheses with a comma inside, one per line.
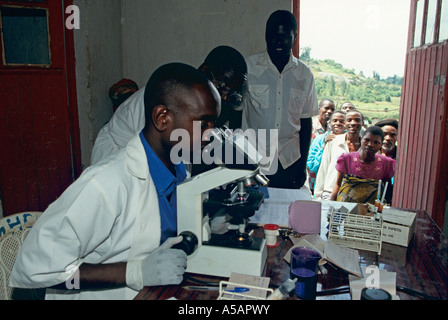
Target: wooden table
(421,269)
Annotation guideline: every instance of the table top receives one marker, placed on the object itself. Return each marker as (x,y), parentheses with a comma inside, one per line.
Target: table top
(421,269)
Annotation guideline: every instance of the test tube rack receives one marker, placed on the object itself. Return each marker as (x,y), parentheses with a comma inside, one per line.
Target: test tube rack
(356,231)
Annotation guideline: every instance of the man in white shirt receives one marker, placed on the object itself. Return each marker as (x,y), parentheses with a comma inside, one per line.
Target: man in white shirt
(224,66)
(104,237)
(281,96)
(321,122)
(344,143)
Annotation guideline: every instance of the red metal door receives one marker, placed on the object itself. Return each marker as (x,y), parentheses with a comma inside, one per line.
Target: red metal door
(36,156)
(422,175)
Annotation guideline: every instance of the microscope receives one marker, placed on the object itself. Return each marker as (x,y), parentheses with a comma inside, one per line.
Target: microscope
(229,194)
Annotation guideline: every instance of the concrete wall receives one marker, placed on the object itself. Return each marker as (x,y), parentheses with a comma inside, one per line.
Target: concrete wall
(131,38)
(157,32)
(99,64)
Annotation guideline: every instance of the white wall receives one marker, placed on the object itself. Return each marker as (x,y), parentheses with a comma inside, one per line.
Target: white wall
(99,65)
(131,38)
(157,32)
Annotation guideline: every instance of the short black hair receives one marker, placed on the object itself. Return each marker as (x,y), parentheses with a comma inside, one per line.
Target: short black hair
(338,112)
(347,102)
(283,17)
(323,101)
(225,57)
(387,122)
(166,82)
(356,110)
(374,130)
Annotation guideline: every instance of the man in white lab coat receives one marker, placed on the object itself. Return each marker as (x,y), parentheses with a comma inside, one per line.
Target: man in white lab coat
(111,232)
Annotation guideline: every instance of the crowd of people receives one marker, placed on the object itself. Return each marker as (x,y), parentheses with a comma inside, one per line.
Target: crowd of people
(347,161)
(115,228)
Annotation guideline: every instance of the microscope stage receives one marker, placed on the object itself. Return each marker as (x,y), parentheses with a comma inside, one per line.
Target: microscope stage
(234,240)
(222,261)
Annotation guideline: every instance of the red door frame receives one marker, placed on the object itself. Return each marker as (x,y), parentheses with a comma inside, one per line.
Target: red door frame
(296,13)
(70,64)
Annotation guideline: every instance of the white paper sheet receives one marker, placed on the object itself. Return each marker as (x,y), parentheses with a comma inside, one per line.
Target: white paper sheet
(387,281)
(275,208)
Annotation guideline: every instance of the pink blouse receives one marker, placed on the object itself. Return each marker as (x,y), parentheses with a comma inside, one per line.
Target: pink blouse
(383,168)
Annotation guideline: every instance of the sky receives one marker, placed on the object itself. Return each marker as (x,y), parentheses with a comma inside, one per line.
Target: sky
(364,35)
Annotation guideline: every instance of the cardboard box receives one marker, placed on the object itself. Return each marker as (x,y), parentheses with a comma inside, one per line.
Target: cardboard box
(362,209)
(398,226)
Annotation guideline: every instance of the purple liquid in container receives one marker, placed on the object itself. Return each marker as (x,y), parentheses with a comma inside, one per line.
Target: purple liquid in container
(304,267)
(306,283)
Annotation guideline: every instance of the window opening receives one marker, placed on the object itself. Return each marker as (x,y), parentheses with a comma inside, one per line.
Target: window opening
(443,31)
(430,21)
(419,23)
(25,39)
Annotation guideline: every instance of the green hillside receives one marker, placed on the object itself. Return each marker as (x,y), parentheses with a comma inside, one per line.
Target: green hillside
(375,97)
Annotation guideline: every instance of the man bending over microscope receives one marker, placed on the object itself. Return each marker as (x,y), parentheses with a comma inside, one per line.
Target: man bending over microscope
(111,232)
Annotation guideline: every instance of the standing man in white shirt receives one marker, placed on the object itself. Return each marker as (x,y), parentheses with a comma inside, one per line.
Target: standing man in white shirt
(281,95)
(344,143)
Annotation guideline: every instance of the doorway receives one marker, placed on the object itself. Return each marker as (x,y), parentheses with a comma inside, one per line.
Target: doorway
(40,153)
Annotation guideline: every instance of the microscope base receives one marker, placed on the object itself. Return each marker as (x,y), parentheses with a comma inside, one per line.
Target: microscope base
(222,261)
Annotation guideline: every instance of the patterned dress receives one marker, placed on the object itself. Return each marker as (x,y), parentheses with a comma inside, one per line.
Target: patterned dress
(360,181)
(383,167)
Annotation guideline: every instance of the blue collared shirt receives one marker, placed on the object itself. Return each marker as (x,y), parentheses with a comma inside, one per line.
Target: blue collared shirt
(165,183)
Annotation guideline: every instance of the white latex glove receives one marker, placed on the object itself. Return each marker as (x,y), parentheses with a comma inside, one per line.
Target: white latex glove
(219,224)
(163,266)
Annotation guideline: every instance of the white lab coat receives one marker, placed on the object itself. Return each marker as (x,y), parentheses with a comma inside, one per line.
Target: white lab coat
(110,214)
(126,122)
